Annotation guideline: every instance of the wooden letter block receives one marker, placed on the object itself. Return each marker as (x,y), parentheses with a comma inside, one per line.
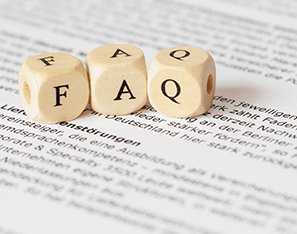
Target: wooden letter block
(118,79)
(182,81)
(54,87)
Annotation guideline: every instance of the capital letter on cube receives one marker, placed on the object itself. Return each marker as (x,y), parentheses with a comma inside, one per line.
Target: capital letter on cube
(118,79)
(54,87)
(182,81)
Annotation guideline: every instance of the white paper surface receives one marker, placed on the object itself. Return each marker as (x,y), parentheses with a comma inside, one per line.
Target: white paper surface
(232,170)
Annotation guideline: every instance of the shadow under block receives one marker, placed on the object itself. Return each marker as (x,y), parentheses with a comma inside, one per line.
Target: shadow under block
(182,81)
(54,87)
(118,79)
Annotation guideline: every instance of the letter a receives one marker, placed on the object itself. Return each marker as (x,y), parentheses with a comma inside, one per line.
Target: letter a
(119,52)
(124,84)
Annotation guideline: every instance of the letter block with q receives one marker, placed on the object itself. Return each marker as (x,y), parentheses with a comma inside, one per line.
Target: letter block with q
(118,79)
(182,81)
(54,87)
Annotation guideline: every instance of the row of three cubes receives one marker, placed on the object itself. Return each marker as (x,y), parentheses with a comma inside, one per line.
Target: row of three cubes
(56,87)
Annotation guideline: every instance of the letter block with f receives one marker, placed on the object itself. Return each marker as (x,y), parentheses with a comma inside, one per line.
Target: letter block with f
(182,81)
(54,87)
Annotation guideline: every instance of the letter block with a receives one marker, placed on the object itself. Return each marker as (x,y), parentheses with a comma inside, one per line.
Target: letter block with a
(182,81)
(118,79)
(54,87)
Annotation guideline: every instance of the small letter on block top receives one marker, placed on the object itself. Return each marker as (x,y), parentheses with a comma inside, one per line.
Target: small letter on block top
(182,81)
(118,79)
(54,87)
